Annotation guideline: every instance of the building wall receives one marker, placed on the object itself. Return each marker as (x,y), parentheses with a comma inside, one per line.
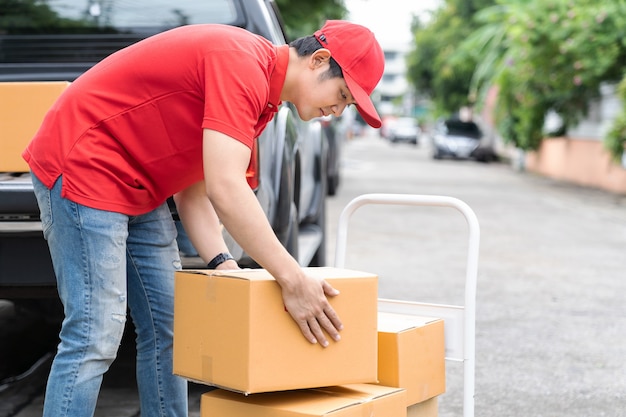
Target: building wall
(581,157)
(580,161)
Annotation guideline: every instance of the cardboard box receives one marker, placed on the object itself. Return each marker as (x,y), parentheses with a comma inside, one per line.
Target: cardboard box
(231,330)
(378,400)
(411,355)
(348,401)
(23,106)
(428,408)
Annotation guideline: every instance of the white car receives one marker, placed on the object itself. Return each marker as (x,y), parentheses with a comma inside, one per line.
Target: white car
(404,129)
(457,139)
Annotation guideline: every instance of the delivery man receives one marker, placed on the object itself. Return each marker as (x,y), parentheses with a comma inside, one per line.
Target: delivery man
(175,114)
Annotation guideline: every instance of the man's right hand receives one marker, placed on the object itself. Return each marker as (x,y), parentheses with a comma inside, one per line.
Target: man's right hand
(307,304)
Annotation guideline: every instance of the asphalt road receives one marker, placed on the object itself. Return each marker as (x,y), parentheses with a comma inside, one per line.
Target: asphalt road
(551,311)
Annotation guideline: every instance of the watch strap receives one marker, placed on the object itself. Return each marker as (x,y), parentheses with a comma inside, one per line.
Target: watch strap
(219,259)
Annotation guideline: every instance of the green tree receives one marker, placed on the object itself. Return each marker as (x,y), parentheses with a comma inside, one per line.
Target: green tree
(546,56)
(434,65)
(34,16)
(302,18)
(616,138)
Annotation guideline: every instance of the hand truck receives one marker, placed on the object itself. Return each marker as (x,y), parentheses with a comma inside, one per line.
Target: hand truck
(459,320)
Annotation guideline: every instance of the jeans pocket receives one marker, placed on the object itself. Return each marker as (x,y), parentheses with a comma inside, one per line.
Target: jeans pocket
(42,193)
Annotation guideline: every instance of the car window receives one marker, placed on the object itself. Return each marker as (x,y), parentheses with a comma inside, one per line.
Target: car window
(457,127)
(111,16)
(85,31)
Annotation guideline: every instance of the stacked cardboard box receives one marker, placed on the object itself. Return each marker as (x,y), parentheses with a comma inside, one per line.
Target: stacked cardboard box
(231,331)
(22,109)
(343,401)
(411,355)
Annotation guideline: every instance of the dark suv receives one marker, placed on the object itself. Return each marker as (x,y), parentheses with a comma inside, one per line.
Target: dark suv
(58,40)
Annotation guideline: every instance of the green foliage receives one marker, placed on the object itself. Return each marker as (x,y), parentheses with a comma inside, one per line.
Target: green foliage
(541,56)
(546,56)
(15,15)
(33,16)
(434,66)
(615,141)
(302,18)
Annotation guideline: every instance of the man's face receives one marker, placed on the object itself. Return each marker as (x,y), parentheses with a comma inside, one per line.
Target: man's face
(320,95)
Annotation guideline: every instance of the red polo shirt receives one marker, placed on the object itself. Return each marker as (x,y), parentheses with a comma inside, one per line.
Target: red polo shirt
(127,134)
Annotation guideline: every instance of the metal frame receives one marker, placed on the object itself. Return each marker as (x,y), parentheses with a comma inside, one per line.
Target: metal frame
(460,320)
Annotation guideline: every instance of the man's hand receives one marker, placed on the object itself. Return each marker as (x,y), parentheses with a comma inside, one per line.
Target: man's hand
(310,309)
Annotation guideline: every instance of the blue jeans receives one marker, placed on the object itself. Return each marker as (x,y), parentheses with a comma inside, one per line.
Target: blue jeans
(106,262)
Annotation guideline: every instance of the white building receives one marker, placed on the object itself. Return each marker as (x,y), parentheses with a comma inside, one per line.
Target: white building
(393,93)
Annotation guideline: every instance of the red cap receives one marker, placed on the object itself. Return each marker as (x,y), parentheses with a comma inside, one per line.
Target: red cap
(361,59)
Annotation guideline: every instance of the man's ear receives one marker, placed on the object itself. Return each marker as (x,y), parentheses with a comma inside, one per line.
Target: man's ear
(319,58)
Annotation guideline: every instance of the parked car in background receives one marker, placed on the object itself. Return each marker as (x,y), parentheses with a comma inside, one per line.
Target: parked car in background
(384,130)
(57,41)
(335,137)
(458,139)
(403,129)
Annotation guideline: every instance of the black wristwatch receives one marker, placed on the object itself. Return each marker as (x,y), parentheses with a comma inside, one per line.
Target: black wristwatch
(219,259)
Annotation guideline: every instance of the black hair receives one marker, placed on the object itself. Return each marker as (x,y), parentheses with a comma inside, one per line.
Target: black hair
(305,46)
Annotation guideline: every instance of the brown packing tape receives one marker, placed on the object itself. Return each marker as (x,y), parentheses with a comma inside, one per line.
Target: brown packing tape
(211,293)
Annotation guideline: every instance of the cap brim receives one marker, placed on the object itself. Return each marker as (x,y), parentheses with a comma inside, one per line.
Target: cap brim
(363,102)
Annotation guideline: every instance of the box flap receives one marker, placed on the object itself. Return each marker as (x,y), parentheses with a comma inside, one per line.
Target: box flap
(376,400)
(296,402)
(362,392)
(260,274)
(395,323)
(244,274)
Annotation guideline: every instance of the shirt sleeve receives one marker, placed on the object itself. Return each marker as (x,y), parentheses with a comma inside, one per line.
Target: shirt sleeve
(236,93)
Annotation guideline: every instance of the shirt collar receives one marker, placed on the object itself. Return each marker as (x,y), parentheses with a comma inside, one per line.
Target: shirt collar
(277,79)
